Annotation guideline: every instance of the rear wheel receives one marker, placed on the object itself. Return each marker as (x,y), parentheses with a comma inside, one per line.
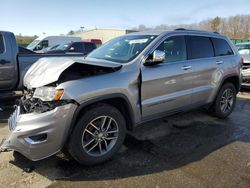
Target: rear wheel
(225,101)
(98,135)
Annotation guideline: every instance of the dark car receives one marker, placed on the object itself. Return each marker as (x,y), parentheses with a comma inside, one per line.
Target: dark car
(75,47)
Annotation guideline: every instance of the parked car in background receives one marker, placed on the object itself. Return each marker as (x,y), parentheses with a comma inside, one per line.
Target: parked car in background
(49,41)
(243,46)
(87,105)
(14,63)
(74,47)
(44,50)
(244,50)
(97,42)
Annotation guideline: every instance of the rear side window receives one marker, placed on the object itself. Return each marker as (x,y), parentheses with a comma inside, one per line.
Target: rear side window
(174,48)
(221,47)
(200,47)
(89,47)
(1,44)
(78,47)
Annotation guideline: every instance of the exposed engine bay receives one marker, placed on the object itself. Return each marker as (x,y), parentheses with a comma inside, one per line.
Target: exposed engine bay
(29,104)
(78,70)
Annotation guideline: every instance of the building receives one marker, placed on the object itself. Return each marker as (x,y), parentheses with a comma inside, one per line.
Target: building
(103,34)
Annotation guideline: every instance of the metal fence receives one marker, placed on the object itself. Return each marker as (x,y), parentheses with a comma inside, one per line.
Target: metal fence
(235,41)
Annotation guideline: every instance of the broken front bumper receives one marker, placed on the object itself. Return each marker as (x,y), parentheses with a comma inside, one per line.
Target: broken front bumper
(39,135)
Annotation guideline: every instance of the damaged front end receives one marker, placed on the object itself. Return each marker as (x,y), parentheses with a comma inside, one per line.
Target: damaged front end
(41,121)
(39,128)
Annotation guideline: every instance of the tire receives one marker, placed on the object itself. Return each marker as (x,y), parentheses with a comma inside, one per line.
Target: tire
(217,108)
(85,136)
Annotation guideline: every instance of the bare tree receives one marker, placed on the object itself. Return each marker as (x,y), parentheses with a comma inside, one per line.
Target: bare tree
(235,26)
(215,24)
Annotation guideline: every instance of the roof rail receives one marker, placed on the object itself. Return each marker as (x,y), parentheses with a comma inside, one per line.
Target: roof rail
(216,32)
(180,29)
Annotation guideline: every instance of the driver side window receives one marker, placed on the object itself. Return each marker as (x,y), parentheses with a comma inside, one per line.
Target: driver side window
(174,48)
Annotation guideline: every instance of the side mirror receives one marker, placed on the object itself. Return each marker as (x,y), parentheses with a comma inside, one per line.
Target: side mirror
(71,49)
(155,58)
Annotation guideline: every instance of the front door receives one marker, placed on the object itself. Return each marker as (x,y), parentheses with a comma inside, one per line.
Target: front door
(167,87)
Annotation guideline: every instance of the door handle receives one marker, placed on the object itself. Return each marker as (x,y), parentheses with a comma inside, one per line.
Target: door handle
(219,62)
(2,61)
(186,67)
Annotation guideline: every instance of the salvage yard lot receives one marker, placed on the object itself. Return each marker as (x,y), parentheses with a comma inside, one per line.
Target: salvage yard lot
(187,150)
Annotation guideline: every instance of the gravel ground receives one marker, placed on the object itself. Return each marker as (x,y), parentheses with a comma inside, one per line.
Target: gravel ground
(188,150)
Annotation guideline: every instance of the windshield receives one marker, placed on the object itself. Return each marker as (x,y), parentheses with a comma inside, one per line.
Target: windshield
(122,49)
(62,47)
(33,44)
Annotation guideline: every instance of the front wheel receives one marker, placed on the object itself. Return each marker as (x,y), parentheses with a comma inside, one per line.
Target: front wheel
(98,135)
(225,101)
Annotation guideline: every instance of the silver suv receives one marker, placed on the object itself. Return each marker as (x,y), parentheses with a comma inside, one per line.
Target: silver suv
(85,106)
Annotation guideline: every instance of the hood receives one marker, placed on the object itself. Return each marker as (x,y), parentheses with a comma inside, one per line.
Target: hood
(48,70)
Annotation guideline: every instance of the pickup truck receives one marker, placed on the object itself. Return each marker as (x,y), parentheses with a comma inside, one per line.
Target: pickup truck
(14,63)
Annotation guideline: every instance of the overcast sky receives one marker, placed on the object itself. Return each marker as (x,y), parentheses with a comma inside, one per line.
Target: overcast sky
(31,17)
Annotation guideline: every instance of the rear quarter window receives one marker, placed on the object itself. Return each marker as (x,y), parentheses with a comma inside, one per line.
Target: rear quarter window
(2,49)
(222,47)
(199,47)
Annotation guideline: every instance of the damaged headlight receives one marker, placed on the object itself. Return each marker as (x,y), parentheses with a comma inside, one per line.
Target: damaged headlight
(48,93)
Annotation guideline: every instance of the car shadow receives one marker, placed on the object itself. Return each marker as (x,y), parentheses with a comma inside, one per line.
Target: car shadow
(160,145)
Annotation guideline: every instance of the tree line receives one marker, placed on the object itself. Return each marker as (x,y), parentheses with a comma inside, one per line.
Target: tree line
(236,27)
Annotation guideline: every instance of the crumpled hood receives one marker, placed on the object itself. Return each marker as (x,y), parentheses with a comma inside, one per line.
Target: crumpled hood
(48,70)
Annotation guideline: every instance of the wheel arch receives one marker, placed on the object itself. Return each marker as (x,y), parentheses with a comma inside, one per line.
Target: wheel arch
(120,101)
(234,79)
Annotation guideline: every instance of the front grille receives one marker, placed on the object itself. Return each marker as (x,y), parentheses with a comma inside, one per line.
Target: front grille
(246,66)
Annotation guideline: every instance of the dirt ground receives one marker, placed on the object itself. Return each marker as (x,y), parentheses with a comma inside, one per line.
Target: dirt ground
(187,150)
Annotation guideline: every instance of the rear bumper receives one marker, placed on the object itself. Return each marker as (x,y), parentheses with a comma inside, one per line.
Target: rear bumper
(37,136)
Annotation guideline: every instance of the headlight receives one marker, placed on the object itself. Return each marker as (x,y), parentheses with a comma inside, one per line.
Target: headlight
(48,93)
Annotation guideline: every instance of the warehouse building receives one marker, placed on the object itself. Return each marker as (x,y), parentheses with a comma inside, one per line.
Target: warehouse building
(103,34)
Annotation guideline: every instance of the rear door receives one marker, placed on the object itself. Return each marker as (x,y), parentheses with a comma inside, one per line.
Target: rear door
(8,62)
(167,87)
(89,47)
(78,47)
(205,68)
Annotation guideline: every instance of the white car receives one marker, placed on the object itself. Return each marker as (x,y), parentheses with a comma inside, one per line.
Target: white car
(244,50)
(49,41)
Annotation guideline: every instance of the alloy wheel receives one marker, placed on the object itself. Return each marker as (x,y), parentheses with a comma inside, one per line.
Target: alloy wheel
(227,101)
(99,136)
